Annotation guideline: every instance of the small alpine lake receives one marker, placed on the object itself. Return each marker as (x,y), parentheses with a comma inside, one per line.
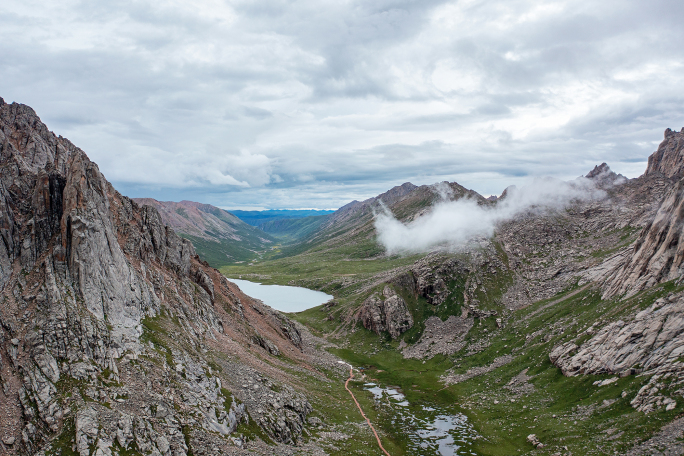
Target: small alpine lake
(426,430)
(281,297)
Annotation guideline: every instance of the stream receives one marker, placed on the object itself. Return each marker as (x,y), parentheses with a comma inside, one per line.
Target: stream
(429,430)
(423,430)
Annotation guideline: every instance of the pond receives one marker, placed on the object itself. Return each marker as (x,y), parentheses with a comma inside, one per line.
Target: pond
(283,298)
(429,430)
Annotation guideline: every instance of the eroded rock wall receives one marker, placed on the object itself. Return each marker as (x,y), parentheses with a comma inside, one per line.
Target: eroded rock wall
(106,313)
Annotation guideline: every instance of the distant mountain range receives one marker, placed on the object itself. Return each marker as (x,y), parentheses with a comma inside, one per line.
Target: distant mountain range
(258,218)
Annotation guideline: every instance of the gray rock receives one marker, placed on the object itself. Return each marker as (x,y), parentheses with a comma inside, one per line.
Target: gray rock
(391,314)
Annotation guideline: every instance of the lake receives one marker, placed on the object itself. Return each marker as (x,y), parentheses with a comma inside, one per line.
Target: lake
(283,298)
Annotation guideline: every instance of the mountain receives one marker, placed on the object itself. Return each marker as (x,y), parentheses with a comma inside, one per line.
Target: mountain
(562,332)
(219,237)
(257,218)
(291,230)
(117,339)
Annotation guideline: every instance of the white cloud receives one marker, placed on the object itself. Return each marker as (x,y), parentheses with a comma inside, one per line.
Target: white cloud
(307,103)
(451,224)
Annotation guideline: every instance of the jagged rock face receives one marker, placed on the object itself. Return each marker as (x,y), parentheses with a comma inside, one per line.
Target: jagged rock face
(668,160)
(658,254)
(81,269)
(652,342)
(603,176)
(653,338)
(391,314)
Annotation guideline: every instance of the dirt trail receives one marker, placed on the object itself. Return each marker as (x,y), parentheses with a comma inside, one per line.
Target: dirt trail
(346,386)
(556,301)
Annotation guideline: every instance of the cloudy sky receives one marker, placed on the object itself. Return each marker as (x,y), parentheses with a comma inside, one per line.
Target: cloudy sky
(310,104)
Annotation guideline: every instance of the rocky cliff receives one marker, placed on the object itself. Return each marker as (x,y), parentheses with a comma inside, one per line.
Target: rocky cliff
(649,341)
(658,254)
(114,335)
(668,160)
(386,312)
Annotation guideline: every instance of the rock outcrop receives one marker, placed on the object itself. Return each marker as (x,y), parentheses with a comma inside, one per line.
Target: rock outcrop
(658,255)
(650,343)
(653,338)
(110,324)
(668,160)
(390,314)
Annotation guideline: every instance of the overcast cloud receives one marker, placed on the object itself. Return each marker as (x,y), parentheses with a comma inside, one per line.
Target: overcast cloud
(298,104)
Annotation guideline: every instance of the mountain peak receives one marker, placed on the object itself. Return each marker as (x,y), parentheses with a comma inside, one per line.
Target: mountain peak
(603,168)
(668,160)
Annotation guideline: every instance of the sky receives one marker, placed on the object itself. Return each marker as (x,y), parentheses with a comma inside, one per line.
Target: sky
(311,104)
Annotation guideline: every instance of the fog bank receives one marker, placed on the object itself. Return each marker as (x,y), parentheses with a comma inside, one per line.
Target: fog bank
(451,224)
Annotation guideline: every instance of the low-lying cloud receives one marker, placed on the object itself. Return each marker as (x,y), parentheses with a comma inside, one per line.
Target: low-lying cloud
(453,223)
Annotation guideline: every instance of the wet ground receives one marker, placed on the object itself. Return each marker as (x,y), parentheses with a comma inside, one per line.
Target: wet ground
(427,430)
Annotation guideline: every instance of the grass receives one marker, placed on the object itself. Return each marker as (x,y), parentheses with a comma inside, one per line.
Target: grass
(154,331)
(65,440)
(582,418)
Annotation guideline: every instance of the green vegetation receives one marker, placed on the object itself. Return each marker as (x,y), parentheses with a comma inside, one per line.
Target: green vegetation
(250,430)
(186,436)
(222,252)
(585,415)
(292,229)
(154,331)
(63,443)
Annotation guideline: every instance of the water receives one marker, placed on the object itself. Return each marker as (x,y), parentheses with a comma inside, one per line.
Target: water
(430,430)
(283,298)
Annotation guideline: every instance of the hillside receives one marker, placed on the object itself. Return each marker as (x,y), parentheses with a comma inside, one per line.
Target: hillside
(218,236)
(117,339)
(564,325)
(560,331)
(292,230)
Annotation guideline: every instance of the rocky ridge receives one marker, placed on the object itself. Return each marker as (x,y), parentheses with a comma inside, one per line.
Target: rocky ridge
(114,335)
(650,341)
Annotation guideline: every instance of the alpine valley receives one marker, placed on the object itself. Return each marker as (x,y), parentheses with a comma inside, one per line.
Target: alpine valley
(559,332)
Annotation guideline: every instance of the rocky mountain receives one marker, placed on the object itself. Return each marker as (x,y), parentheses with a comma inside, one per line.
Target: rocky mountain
(648,342)
(115,337)
(218,236)
(592,290)
(560,333)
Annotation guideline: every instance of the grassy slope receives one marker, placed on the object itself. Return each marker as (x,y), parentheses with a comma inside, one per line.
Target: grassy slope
(506,425)
(253,242)
(583,421)
(292,229)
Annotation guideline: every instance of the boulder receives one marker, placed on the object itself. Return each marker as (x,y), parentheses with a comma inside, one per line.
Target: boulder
(390,314)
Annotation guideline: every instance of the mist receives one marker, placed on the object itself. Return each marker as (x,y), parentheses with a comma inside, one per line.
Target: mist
(453,223)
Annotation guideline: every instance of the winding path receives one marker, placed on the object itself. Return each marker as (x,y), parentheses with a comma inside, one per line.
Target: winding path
(346,386)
